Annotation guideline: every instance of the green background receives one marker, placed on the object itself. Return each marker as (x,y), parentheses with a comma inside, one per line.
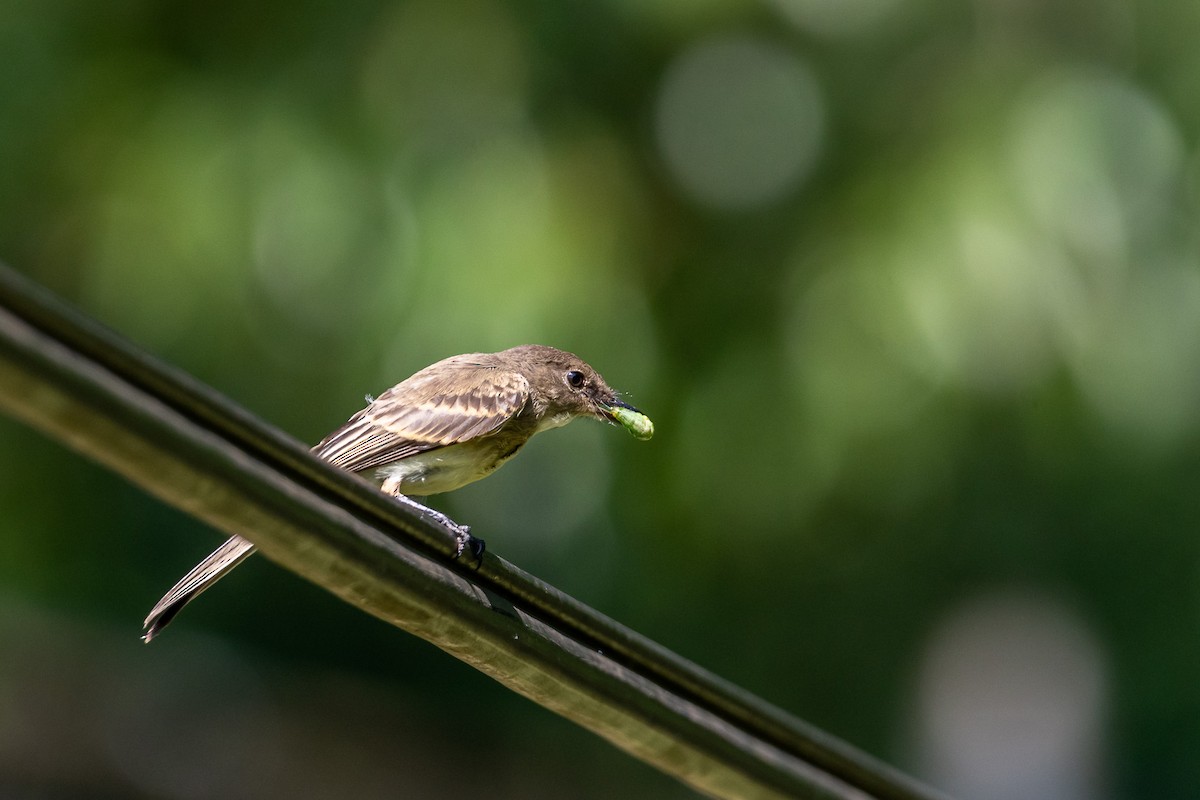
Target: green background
(910,289)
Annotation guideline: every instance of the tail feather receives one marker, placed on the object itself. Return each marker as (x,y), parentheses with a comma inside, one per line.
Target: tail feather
(233,552)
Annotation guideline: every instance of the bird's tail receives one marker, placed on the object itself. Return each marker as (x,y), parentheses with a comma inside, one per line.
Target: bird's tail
(205,574)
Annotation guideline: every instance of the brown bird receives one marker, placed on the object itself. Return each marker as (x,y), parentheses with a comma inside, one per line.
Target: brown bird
(448,425)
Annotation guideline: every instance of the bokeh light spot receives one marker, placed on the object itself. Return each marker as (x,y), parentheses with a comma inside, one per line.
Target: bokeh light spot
(1011,701)
(1095,159)
(739,121)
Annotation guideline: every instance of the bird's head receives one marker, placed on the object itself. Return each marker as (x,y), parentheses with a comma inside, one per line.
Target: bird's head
(566,386)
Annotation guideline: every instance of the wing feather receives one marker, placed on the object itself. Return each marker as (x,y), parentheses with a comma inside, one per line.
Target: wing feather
(450,402)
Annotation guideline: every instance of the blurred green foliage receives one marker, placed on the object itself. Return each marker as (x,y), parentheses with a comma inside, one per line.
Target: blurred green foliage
(910,289)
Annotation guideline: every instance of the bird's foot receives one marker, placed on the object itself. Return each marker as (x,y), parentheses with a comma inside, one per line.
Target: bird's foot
(467,542)
(462,536)
(463,539)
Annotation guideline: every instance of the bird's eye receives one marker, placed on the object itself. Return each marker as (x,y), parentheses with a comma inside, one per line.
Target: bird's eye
(575,378)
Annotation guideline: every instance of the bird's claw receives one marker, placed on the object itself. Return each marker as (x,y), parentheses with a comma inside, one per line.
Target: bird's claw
(465,541)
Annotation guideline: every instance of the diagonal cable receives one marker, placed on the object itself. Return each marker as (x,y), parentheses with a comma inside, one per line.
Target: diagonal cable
(83,384)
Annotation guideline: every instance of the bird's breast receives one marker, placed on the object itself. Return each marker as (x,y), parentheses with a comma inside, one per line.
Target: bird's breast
(447,468)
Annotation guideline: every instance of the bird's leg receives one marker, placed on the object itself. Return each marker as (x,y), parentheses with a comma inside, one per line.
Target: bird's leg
(462,533)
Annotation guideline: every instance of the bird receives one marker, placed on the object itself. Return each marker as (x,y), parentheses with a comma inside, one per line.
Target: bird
(447,425)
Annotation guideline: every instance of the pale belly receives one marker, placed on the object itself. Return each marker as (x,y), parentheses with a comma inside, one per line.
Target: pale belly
(444,469)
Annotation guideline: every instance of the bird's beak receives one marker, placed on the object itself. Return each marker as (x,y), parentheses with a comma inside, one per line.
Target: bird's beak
(607,406)
(630,418)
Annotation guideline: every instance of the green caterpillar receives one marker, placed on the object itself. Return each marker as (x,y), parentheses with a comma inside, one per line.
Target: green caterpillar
(637,424)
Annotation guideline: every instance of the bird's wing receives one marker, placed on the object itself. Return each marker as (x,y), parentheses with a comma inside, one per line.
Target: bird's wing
(429,410)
